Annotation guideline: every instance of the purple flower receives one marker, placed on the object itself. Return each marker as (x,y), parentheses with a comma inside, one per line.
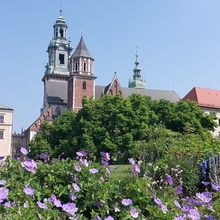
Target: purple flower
(134,213)
(99,203)
(205,183)
(44,155)
(186,208)
(2,157)
(214,187)
(28,191)
(24,151)
(81,153)
(105,156)
(53,199)
(126,202)
(209,207)
(204,197)
(97,218)
(78,168)
(194,214)
(131,161)
(70,208)
(42,205)
(177,204)
(193,201)
(164,209)
(73,197)
(105,163)
(29,165)
(3,193)
(109,218)
(8,204)
(84,162)
(93,170)
(116,208)
(76,187)
(158,201)
(3,182)
(181,217)
(57,203)
(209,217)
(136,169)
(179,189)
(169,180)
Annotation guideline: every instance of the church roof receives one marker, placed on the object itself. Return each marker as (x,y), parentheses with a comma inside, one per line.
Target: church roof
(55,100)
(204,97)
(153,93)
(57,89)
(81,50)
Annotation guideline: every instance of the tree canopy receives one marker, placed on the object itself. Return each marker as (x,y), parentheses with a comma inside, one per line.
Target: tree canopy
(118,125)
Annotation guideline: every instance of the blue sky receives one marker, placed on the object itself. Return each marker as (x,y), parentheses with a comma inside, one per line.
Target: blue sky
(178,45)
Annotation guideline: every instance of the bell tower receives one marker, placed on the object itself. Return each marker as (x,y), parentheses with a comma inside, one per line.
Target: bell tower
(82,80)
(56,72)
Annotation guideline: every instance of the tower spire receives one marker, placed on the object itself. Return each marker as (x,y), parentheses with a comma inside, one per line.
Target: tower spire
(137,81)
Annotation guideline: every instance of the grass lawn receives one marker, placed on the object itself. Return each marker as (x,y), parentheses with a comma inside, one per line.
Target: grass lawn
(124,169)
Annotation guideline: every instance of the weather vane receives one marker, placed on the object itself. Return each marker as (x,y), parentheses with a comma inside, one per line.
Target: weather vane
(61,10)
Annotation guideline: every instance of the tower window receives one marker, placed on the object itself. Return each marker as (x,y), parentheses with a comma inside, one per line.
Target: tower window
(61,58)
(61,32)
(84,66)
(76,65)
(56,33)
(84,85)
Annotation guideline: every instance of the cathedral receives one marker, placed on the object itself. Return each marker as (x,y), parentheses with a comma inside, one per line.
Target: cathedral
(69,75)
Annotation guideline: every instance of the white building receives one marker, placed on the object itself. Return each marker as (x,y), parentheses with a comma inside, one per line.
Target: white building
(6,119)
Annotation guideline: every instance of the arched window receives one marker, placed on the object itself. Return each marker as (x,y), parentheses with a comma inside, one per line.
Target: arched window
(76,66)
(84,66)
(84,85)
(56,32)
(61,32)
(110,92)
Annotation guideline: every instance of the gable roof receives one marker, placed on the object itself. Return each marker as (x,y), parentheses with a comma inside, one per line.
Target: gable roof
(81,50)
(109,86)
(204,97)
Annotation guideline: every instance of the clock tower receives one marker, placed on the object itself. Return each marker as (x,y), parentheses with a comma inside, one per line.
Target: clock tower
(56,72)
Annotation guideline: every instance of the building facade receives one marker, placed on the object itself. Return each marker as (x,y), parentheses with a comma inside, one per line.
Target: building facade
(68,78)
(6,120)
(208,100)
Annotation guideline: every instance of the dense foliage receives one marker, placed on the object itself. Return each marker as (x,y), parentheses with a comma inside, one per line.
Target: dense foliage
(81,189)
(123,127)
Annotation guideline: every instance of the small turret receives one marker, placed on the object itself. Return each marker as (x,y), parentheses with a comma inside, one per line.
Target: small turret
(137,81)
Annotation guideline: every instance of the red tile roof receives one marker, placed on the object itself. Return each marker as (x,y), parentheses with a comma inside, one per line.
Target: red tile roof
(204,97)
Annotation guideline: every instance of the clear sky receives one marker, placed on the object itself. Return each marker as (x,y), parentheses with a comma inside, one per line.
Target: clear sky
(178,45)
